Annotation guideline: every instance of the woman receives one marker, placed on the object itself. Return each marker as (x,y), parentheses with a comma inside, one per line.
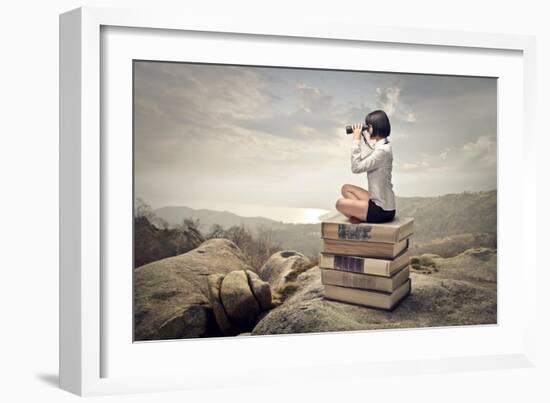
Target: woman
(376,205)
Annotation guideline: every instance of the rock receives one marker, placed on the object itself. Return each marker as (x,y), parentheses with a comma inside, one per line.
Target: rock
(475,265)
(238,300)
(425,263)
(461,292)
(194,321)
(282,267)
(214,284)
(171,295)
(261,290)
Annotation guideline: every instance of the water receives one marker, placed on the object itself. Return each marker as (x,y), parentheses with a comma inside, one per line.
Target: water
(294,215)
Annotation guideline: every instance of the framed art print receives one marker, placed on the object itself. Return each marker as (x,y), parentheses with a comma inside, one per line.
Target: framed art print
(244,166)
(316,199)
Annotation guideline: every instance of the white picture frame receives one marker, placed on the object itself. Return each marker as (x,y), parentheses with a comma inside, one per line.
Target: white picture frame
(96,356)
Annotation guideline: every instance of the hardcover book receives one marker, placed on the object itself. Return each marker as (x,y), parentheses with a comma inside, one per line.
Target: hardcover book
(382,250)
(365,281)
(366,265)
(373,299)
(339,227)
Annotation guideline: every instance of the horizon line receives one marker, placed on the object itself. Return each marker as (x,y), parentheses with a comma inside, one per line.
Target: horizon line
(400,197)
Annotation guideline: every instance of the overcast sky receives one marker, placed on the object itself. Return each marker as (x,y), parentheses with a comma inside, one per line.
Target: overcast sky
(221,135)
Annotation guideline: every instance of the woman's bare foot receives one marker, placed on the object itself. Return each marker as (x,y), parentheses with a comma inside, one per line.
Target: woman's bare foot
(354,220)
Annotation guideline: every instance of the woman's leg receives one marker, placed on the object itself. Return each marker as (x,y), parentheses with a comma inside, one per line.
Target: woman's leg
(355,202)
(354,192)
(353,208)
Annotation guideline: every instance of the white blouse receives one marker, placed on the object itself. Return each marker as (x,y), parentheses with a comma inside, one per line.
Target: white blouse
(378,165)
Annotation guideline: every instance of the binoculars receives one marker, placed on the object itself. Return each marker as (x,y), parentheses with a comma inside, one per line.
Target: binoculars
(349,129)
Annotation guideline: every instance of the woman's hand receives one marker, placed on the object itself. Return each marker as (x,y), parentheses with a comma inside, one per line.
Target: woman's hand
(357,128)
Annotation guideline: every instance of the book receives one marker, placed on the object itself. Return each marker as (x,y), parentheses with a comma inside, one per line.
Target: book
(382,250)
(366,265)
(365,281)
(372,299)
(339,227)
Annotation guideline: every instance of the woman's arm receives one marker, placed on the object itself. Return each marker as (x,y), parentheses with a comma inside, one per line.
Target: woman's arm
(372,161)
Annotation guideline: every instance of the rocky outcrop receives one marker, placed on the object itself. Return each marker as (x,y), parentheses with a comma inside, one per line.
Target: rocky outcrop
(212,291)
(283,267)
(237,299)
(224,323)
(461,292)
(171,295)
(261,291)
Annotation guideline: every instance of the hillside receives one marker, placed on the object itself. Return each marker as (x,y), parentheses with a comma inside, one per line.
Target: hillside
(441,216)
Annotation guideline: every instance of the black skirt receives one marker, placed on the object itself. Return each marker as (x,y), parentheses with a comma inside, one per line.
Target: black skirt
(377,214)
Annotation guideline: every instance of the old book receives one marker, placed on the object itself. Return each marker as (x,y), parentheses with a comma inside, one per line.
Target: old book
(365,281)
(366,265)
(381,250)
(374,299)
(339,227)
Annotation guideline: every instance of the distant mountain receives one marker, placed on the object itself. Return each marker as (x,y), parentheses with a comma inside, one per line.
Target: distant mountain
(436,219)
(175,215)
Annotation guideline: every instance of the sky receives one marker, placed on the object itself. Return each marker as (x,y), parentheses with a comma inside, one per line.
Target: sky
(254,140)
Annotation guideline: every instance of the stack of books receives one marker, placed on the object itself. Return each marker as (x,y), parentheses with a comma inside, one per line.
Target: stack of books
(366,263)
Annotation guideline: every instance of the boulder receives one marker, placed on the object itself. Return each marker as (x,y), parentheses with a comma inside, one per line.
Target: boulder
(282,267)
(461,292)
(172,295)
(261,290)
(238,300)
(214,286)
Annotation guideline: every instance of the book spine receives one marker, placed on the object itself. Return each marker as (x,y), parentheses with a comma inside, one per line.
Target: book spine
(375,299)
(354,232)
(365,233)
(355,264)
(378,250)
(360,297)
(356,280)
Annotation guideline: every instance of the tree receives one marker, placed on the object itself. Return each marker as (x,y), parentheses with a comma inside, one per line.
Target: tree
(216,231)
(240,236)
(142,209)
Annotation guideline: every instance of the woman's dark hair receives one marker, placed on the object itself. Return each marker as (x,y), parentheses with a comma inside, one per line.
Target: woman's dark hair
(379,122)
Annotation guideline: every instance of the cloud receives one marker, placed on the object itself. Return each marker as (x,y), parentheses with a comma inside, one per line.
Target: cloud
(413,167)
(312,99)
(410,117)
(316,117)
(179,105)
(483,150)
(477,155)
(240,131)
(389,100)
